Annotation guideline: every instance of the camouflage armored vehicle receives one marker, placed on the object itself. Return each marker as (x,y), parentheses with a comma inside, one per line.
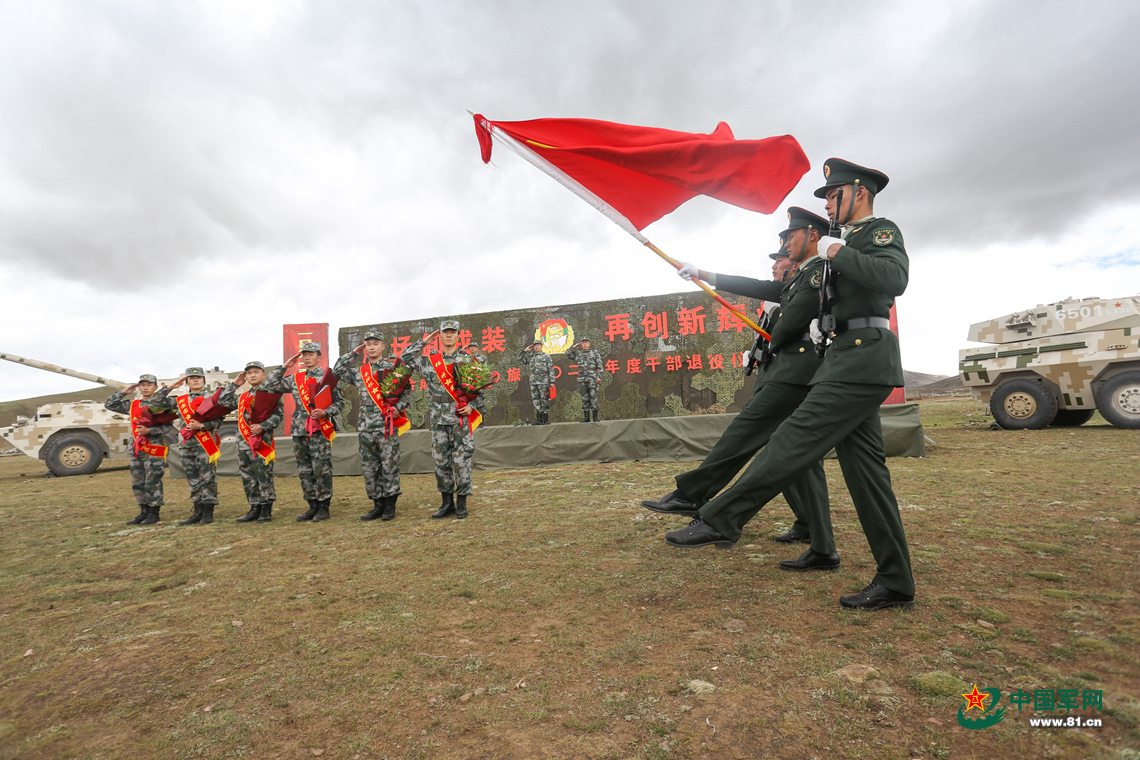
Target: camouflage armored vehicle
(1056,364)
(73,438)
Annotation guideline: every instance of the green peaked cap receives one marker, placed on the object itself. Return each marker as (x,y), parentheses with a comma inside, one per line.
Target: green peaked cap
(838,172)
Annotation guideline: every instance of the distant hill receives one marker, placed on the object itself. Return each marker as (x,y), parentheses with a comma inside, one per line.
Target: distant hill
(919,380)
(26,407)
(946,385)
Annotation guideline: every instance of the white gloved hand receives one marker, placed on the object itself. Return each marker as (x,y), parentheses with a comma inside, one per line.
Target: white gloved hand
(688,271)
(816,333)
(747,356)
(825,243)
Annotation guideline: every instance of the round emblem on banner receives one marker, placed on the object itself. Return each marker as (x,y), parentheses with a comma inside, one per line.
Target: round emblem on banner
(556,335)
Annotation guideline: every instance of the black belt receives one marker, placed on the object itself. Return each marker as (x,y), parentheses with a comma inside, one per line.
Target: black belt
(861,323)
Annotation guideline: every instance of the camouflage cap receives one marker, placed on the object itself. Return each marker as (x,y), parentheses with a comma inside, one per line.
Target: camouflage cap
(373,335)
(780,254)
(254,365)
(449,324)
(536,342)
(195,372)
(839,172)
(802,219)
(310,345)
(148,379)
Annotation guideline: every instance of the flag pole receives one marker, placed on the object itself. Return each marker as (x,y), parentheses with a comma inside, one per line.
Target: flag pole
(719,298)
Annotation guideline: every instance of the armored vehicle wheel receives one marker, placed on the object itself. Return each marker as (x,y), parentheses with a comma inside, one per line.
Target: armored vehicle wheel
(1119,400)
(74,454)
(1023,404)
(1072,417)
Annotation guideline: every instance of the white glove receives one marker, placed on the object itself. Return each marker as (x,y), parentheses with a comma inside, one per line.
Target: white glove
(688,271)
(816,333)
(747,356)
(825,243)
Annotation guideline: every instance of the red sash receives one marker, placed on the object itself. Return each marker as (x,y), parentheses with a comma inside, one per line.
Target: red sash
(268,452)
(138,411)
(394,421)
(443,372)
(207,440)
(304,390)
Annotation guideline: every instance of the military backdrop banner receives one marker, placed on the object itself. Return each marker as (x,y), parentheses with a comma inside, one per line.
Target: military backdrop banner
(664,356)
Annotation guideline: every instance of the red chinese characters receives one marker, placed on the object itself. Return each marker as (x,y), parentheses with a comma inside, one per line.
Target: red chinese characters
(514,374)
(617,325)
(726,319)
(611,366)
(691,321)
(633,366)
(656,325)
(494,339)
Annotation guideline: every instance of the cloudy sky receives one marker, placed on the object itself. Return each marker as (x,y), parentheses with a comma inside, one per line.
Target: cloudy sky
(178,179)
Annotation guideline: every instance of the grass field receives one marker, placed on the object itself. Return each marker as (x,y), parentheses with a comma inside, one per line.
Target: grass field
(556,623)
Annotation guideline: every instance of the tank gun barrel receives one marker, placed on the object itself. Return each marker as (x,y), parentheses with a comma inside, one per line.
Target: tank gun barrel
(116,384)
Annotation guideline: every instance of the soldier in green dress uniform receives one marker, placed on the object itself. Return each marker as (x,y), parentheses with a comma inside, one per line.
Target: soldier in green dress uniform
(860,369)
(782,383)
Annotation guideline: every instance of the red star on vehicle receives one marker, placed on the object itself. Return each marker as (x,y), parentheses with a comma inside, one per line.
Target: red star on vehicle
(1118,306)
(975,699)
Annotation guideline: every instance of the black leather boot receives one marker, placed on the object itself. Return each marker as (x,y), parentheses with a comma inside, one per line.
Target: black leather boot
(266,514)
(377,510)
(151,516)
(460,507)
(597,416)
(389,507)
(207,514)
(311,513)
(445,509)
(195,518)
(322,510)
(585,415)
(251,515)
(141,516)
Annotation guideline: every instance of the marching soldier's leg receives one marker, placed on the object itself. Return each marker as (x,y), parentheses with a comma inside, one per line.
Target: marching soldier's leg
(864,466)
(138,481)
(444,478)
(827,416)
(320,452)
(808,498)
(745,435)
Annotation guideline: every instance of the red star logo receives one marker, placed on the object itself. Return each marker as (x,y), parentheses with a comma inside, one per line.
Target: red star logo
(1118,306)
(975,699)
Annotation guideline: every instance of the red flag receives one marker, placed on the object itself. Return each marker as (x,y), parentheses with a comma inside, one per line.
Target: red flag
(643,173)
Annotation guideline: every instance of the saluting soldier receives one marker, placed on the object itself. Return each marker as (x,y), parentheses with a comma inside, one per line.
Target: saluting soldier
(782,383)
(199,448)
(313,427)
(260,412)
(453,417)
(541,369)
(590,370)
(860,369)
(380,423)
(148,449)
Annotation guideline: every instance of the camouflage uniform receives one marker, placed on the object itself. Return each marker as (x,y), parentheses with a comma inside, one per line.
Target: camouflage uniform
(452,442)
(379,452)
(201,473)
(313,452)
(541,369)
(589,379)
(146,470)
(256,473)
